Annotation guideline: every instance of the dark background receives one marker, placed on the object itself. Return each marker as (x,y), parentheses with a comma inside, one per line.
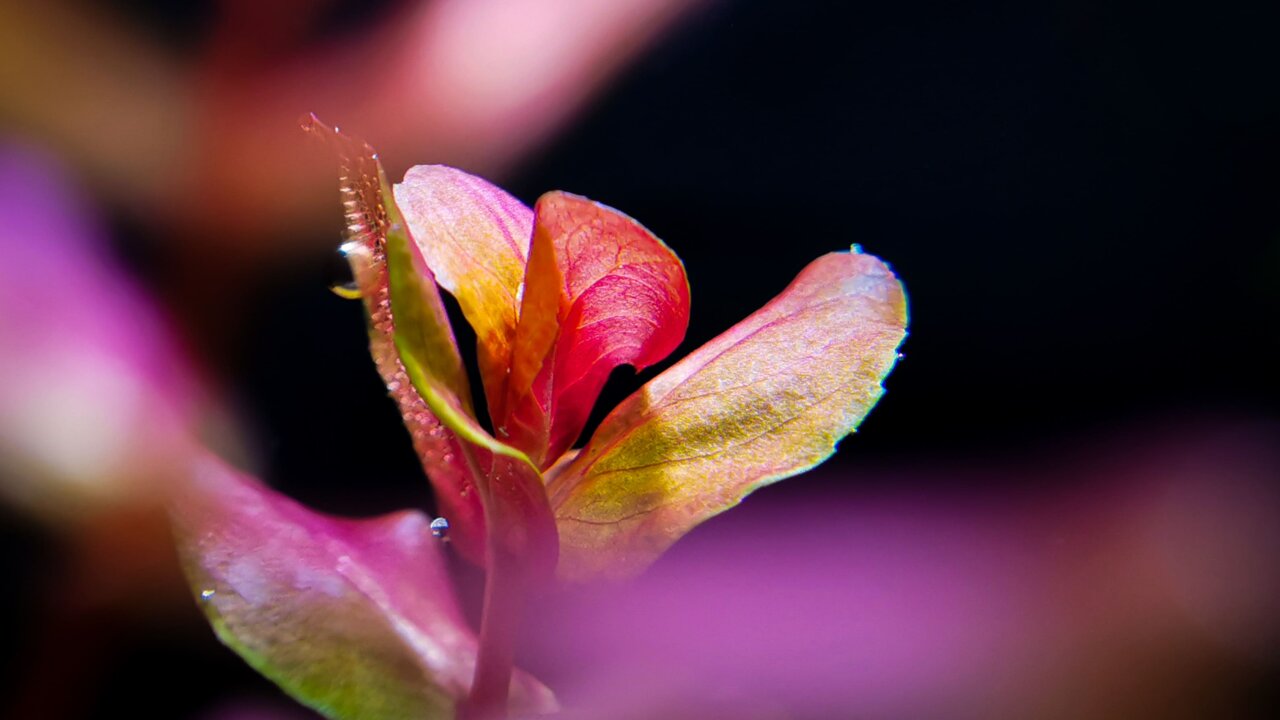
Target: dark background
(1081,200)
(1080,197)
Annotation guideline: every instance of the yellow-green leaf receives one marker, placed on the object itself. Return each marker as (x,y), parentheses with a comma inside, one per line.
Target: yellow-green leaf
(768,399)
(421,325)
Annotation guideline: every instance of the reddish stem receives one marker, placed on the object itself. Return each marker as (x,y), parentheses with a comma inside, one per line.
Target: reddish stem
(500,616)
(499,623)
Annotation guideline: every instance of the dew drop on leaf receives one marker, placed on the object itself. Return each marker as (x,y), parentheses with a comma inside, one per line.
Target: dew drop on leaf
(338,271)
(440,527)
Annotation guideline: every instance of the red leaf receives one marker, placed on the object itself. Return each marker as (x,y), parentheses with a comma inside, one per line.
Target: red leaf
(600,291)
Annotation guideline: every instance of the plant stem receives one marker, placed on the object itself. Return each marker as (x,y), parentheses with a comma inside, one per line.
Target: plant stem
(499,622)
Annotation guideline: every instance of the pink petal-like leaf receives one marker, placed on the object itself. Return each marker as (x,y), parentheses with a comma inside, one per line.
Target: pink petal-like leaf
(768,399)
(475,238)
(600,291)
(520,530)
(96,398)
(355,618)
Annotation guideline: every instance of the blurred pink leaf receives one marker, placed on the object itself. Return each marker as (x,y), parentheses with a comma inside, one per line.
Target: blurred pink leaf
(1131,574)
(355,618)
(205,144)
(96,398)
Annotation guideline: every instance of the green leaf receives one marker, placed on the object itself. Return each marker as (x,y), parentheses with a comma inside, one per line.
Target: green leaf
(355,618)
(511,488)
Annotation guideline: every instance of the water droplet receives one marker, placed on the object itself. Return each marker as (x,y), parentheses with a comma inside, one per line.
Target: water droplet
(341,280)
(207,595)
(440,527)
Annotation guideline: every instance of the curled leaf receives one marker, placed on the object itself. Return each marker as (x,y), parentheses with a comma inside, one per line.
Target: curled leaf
(767,399)
(600,291)
(367,207)
(355,618)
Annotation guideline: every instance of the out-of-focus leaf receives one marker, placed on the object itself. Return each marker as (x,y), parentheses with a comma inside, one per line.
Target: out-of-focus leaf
(355,618)
(96,397)
(768,399)
(600,291)
(475,238)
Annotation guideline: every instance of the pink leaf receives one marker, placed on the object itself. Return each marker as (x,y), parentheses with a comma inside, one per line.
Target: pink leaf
(355,618)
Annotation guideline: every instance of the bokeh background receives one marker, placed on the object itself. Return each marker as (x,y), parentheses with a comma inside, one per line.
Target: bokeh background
(1066,505)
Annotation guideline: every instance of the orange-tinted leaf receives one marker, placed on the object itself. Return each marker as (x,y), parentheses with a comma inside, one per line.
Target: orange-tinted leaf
(766,400)
(600,291)
(355,618)
(474,237)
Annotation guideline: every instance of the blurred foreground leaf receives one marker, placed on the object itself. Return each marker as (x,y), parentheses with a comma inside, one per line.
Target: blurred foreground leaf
(355,618)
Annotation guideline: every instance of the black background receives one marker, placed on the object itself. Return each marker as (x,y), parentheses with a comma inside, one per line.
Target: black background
(1081,201)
